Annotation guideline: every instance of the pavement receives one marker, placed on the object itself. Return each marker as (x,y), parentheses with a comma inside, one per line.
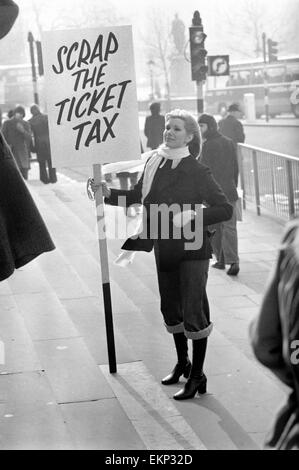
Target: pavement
(56,391)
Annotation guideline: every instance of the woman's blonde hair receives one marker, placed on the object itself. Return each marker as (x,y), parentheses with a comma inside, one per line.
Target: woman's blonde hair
(191,126)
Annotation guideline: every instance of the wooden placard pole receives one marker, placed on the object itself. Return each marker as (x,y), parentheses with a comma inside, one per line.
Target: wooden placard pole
(97,175)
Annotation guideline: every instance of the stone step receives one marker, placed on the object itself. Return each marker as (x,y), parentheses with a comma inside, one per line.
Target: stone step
(100,425)
(154,416)
(71,371)
(88,317)
(45,317)
(236,412)
(19,352)
(30,418)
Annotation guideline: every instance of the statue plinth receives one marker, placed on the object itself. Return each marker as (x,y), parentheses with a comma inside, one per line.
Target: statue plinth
(180,77)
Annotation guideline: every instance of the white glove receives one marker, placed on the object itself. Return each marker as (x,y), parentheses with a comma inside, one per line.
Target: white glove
(183,218)
(125,258)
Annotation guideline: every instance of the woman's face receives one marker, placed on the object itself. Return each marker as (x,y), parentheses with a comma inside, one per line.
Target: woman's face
(175,134)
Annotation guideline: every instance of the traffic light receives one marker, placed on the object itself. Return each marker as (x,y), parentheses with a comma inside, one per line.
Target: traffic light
(272,50)
(198,52)
(39,58)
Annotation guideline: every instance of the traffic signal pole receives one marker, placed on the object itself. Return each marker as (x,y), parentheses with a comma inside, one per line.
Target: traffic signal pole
(200,105)
(272,57)
(198,54)
(33,68)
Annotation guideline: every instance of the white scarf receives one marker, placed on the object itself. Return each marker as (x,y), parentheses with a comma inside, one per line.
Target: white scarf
(153,159)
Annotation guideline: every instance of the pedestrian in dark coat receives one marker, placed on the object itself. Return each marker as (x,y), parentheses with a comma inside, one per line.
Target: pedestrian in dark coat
(18,135)
(23,234)
(174,184)
(220,155)
(231,127)
(154,126)
(275,337)
(41,145)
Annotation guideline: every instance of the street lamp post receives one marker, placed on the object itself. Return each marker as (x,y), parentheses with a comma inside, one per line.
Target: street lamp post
(151,64)
(33,68)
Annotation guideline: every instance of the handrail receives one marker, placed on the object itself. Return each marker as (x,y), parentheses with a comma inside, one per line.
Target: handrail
(260,149)
(270,180)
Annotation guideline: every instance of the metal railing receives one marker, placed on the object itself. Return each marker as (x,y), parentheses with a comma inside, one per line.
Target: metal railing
(270,180)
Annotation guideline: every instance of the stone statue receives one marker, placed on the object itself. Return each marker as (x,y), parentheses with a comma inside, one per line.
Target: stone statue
(178,33)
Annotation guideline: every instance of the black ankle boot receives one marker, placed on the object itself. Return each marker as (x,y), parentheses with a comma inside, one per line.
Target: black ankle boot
(193,385)
(183,365)
(174,376)
(233,270)
(197,381)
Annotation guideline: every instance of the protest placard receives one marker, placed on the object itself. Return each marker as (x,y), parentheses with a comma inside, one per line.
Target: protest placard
(91,96)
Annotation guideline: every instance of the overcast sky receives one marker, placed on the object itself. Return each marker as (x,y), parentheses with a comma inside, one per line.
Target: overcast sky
(136,9)
(276,17)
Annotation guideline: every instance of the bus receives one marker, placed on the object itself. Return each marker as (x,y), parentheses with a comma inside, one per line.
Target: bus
(282,78)
(16,87)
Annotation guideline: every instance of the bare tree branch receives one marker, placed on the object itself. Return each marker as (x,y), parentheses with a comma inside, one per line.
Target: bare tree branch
(242,28)
(159,44)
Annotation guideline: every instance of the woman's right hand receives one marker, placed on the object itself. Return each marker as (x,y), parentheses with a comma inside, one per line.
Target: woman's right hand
(95,187)
(106,191)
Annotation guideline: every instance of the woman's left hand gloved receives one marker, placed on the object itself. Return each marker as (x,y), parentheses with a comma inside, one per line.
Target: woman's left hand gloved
(183,218)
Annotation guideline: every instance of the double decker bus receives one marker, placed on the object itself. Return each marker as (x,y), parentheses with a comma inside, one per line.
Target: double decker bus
(281,77)
(16,86)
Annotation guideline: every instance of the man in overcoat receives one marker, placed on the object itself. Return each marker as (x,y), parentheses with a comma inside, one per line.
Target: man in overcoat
(154,126)
(231,126)
(41,145)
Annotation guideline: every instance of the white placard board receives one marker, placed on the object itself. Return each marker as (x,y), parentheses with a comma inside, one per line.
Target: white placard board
(91,96)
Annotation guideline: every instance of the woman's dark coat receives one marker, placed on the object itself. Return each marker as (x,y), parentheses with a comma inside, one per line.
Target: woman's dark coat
(190,183)
(23,234)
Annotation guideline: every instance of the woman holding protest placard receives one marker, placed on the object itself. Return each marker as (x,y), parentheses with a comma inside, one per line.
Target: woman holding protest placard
(172,189)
